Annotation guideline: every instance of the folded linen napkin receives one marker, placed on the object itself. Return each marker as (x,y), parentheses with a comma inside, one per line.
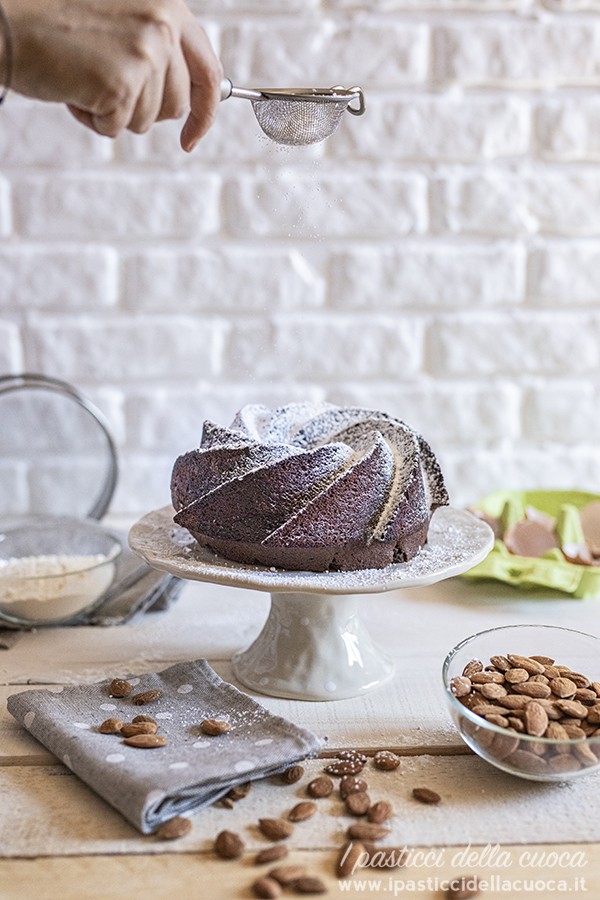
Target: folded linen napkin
(150,786)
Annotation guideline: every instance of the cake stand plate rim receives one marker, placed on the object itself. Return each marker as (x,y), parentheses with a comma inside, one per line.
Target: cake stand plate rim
(457,542)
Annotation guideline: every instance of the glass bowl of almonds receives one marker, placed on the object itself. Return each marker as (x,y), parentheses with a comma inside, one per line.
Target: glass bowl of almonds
(526,698)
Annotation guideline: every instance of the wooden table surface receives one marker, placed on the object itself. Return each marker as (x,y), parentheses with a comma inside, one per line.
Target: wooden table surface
(59,840)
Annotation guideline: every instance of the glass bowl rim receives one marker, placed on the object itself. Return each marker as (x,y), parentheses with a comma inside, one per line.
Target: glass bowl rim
(480,721)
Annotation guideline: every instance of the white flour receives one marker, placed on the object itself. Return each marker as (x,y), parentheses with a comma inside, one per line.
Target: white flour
(52,587)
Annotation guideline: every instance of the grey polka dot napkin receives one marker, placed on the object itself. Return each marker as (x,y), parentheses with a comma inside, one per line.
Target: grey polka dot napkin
(149,786)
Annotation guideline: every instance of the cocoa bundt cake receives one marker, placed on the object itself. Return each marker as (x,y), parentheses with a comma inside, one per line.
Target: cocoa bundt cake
(309,486)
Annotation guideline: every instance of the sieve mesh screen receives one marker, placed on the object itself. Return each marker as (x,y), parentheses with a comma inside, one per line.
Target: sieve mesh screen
(297,122)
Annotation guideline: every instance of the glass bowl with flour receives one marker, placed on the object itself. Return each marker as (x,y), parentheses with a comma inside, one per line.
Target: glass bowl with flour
(53,569)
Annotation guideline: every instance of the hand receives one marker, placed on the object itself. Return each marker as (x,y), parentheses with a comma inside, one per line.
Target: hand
(117,63)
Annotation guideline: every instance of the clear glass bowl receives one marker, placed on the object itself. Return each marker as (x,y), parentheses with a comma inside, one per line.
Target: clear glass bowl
(54,569)
(534,758)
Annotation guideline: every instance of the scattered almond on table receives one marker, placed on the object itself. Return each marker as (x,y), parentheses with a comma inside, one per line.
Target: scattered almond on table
(276,829)
(271,854)
(173,828)
(229,845)
(425,795)
(266,888)
(292,775)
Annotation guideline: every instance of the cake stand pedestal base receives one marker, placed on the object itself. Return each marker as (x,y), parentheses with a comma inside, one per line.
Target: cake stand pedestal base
(313,647)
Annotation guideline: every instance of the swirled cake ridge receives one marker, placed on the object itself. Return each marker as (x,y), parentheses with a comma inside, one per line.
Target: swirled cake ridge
(309,486)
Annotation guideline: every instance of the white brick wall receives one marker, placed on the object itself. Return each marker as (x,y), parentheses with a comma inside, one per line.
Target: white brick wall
(438,258)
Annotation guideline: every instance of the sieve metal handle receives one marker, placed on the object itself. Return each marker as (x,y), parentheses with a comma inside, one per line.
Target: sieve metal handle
(357,110)
(229,90)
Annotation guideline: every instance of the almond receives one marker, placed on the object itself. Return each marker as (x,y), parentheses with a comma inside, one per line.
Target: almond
(572,708)
(292,775)
(533,689)
(110,726)
(472,667)
(536,719)
(593,716)
(302,811)
(138,728)
(380,812)
(544,660)
(515,676)
(574,732)
(266,889)
(271,854)
(358,803)
(321,786)
(551,672)
(585,695)
(487,678)
(146,697)
(493,691)
(528,762)
(425,795)
(503,745)
(120,688)
(526,662)
(214,727)
(515,701)
(517,724)
(580,680)
(556,732)
(239,791)
(287,874)
(563,687)
(351,785)
(500,721)
(585,754)
(351,855)
(146,741)
(143,718)
(309,884)
(366,831)
(562,763)
(228,845)
(500,662)
(174,828)
(275,829)
(460,685)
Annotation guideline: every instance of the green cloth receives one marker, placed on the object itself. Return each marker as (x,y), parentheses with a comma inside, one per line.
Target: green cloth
(551,570)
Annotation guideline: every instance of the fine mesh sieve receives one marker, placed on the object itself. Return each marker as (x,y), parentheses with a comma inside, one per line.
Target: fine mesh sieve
(297,116)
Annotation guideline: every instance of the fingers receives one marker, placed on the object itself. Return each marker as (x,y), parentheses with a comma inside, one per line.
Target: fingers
(161,72)
(176,95)
(205,73)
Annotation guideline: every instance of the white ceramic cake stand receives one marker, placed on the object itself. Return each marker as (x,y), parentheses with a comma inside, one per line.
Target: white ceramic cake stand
(314,645)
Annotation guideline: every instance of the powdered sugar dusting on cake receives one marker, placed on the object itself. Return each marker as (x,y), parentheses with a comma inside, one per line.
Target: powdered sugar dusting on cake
(366,506)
